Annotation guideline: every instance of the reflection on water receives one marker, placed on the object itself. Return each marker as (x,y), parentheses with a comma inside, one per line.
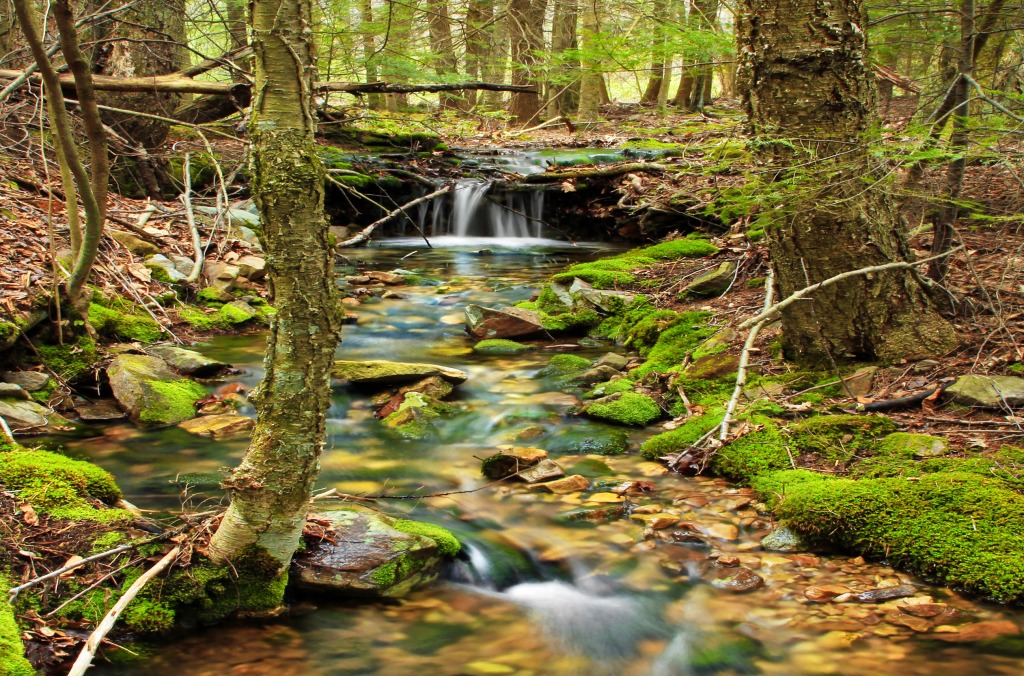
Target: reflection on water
(541,593)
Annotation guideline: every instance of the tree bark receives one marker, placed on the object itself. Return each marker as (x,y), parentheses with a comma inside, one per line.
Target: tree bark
(565,86)
(592,80)
(657,82)
(369,51)
(526,24)
(270,490)
(811,100)
(446,63)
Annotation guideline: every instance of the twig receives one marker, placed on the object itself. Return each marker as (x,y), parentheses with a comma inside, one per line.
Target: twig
(797,295)
(14,591)
(88,589)
(190,217)
(741,373)
(104,627)
(365,233)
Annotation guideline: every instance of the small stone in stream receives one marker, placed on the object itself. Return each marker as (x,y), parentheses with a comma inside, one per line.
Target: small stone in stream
(616,361)
(389,278)
(509,322)
(511,460)
(918,624)
(187,362)
(783,539)
(738,580)
(529,433)
(30,381)
(685,537)
(544,470)
(825,592)
(979,631)
(13,391)
(655,521)
(570,484)
(806,560)
(696,501)
(605,497)
(435,387)
(723,531)
(741,503)
(887,594)
(392,295)
(597,514)
(924,609)
(220,426)
(350,302)
(728,560)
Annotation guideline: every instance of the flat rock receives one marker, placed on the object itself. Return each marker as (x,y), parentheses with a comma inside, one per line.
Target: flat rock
(138,246)
(583,293)
(370,558)
(509,322)
(220,426)
(252,267)
(187,362)
(98,411)
(714,282)
(545,470)
(614,360)
(29,417)
(737,580)
(823,593)
(996,392)
(511,460)
(570,484)
(887,594)
(723,531)
(30,381)
(150,392)
(381,372)
(389,278)
(979,631)
(13,391)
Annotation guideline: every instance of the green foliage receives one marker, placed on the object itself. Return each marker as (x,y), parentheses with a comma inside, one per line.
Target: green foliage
(628,408)
(447,543)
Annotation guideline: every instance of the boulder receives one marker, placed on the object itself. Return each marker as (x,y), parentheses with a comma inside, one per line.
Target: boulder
(712,283)
(598,374)
(187,362)
(616,361)
(238,312)
(28,417)
(382,372)
(996,392)
(253,268)
(222,426)
(624,408)
(150,392)
(582,293)
(509,322)
(784,539)
(373,558)
(30,381)
(136,245)
(221,275)
(182,264)
(164,269)
(13,391)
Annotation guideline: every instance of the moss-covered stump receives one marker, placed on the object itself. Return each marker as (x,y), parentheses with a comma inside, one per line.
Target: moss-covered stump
(375,555)
(150,392)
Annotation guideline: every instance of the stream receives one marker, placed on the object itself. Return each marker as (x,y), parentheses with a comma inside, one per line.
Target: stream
(538,592)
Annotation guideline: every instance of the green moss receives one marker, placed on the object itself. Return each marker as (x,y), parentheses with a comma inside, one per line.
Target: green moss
(564,365)
(213,295)
(682,437)
(175,400)
(12,650)
(961,529)
(149,617)
(108,322)
(756,282)
(689,247)
(753,453)
(60,486)
(384,575)
(71,360)
(610,387)
(447,543)
(231,315)
(500,346)
(43,396)
(198,319)
(108,541)
(8,330)
(628,408)
(578,321)
(838,437)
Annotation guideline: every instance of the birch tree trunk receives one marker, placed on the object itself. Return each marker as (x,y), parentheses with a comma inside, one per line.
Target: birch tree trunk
(270,490)
(811,102)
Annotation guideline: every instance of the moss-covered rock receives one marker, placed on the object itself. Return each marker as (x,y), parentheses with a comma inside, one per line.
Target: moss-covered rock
(838,437)
(500,346)
(589,439)
(753,454)
(382,372)
(26,417)
(616,271)
(60,486)
(681,437)
(122,326)
(150,392)
(626,408)
(72,360)
(12,650)
(562,365)
(907,445)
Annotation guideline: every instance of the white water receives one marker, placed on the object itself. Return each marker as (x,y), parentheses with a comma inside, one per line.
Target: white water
(471,211)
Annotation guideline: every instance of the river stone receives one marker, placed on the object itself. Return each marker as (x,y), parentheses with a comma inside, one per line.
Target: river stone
(29,417)
(737,580)
(187,362)
(30,381)
(583,293)
(979,631)
(784,539)
(220,426)
(162,262)
(434,387)
(136,245)
(616,361)
(545,470)
(221,275)
(381,372)
(511,460)
(713,283)
(589,439)
(13,391)
(150,392)
(508,322)
(98,411)
(253,268)
(988,391)
(370,557)
(570,484)
(884,594)
(598,374)
(389,278)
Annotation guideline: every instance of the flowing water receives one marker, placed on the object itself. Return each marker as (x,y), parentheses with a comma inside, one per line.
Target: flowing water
(539,593)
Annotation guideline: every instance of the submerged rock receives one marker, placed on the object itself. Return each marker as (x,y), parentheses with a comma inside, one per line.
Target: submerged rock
(997,392)
(784,539)
(220,426)
(737,580)
(509,322)
(187,362)
(28,417)
(150,392)
(381,372)
(511,461)
(374,555)
(589,439)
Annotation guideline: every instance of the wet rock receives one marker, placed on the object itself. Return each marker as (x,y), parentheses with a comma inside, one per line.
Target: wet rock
(596,514)
(887,594)
(825,592)
(927,610)
(30,381)
(978,631)
(253,268)
(434,387)
(918,624)
(412,422)
(657,521)
(509,322)
(616,361)
(136,245)
(29,417)
(187,362)
(737,580)
(221,275)
(392,295)
(373,558)
(687,537)
(150,392)
(592,439)
(723,531)
(389,278)
(728,560)
(98,411)
(996,392)
(570,484)
(381,372)
(512,460)
(545,470)
(221,426)
(164,267)
(784,539)
(13,391)
(714,282)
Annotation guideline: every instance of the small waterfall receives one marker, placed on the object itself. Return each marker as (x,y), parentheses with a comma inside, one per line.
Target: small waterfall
(473,210)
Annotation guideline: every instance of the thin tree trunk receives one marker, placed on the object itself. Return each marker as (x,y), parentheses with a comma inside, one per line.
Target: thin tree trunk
(445,61)
(566,84)
(657,82)
(590,85)
(805,76)
(526,26)
(400,20)
(370,52)
(270,490)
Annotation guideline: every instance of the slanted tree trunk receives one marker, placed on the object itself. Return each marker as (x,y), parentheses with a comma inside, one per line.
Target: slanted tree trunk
(270,490)
(811,101)
(526,26)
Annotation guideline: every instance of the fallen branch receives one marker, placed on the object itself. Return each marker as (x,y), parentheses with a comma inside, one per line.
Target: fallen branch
(93,643)
(366,232)
(797,295)
(599,172)
(741,373)
(14,591)
(190,218)
(899,402)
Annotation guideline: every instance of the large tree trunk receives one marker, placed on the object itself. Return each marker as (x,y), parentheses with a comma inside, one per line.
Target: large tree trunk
(270,490)
(565,85)
(445,61)
(810,99)
(526,27)
(592,80)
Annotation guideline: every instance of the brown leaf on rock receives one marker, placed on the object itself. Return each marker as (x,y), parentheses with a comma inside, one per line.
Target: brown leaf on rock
(30,516)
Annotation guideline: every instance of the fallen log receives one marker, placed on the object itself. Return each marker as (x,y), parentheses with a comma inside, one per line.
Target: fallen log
(595,172)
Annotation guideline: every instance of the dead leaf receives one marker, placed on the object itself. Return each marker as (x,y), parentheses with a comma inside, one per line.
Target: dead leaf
(929,403)
(568,186)
(140,272)
(31,518)
(74,560)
